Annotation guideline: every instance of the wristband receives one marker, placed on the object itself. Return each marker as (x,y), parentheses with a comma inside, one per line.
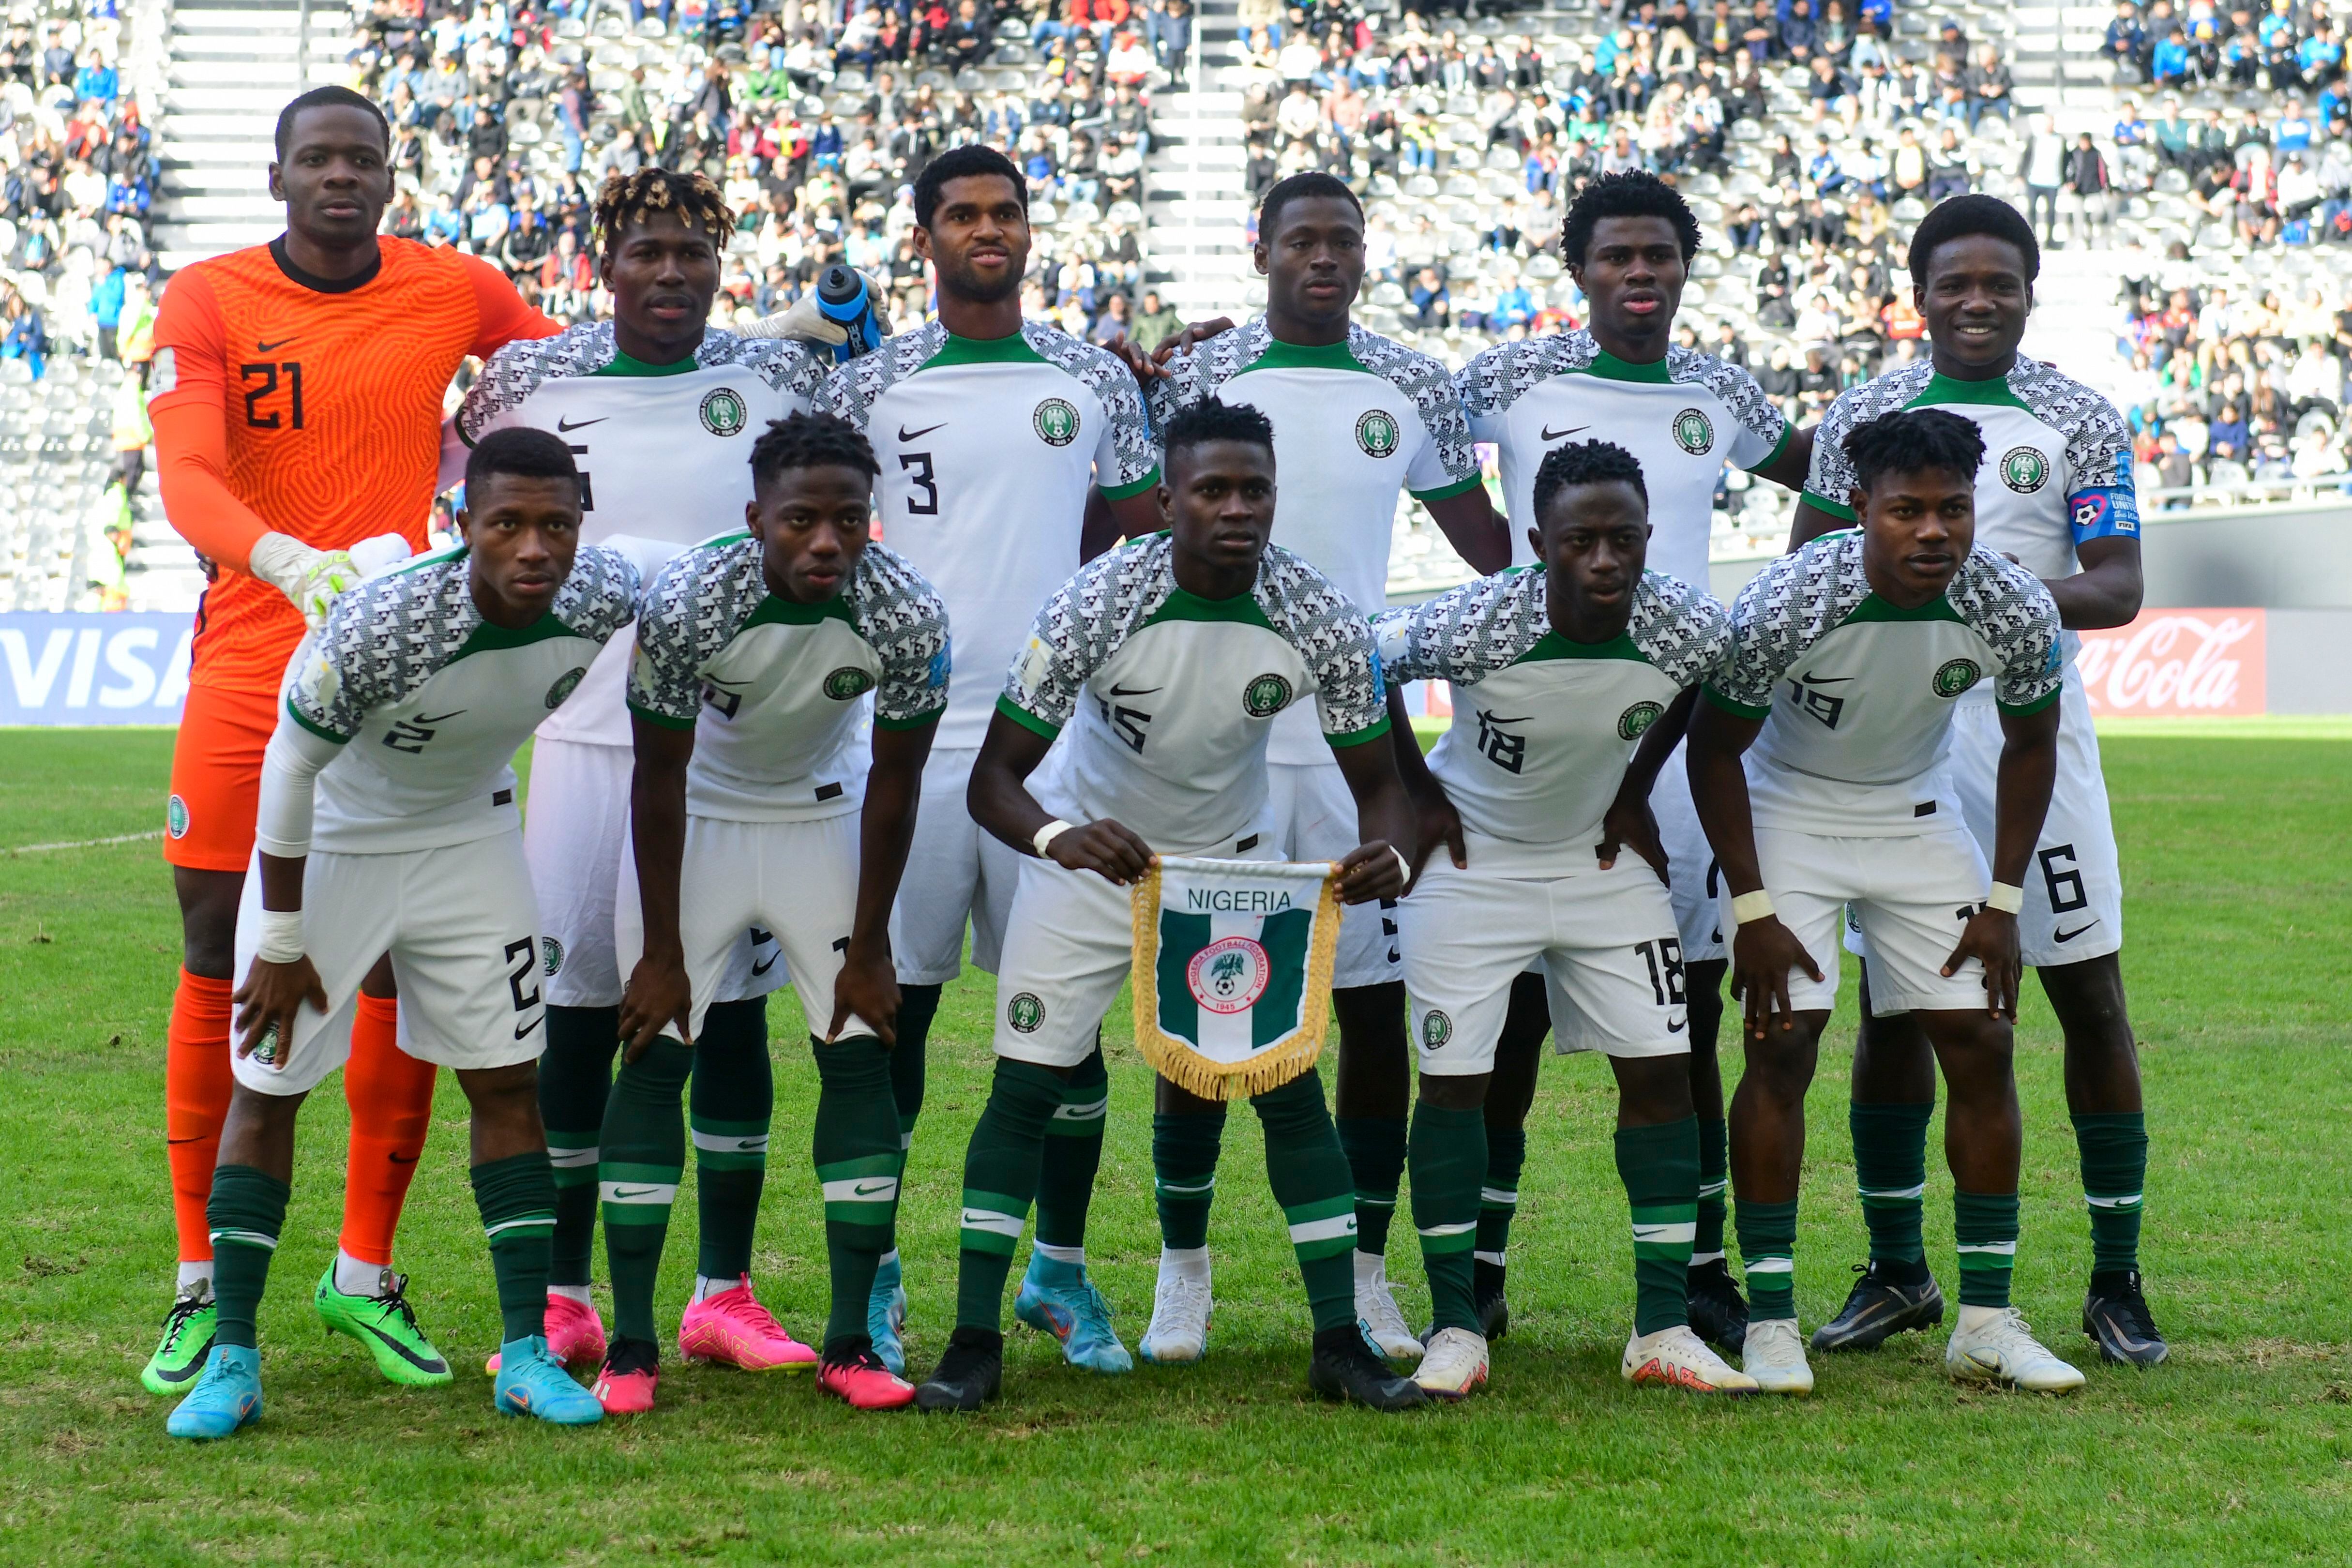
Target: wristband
(281,936)
(1748,907)
(1047,834)
(2006,897)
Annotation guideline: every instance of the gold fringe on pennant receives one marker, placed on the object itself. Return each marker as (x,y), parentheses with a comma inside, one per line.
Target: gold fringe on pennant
(1187,1068)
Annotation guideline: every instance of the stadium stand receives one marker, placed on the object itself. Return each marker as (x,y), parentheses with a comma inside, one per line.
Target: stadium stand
(2213,180)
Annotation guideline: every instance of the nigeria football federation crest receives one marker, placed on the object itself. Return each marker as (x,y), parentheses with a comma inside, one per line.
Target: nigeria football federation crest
(1265,697)
(1694,432)
(846,682)
(1233,971)
(565,685)
(724,412)
(1056,420)
(1025,1013)
(550,952)
(1957,675)
(2024,469)
(1436,1028)
(176,817)
(1377,433)
(1228,975)
(1637,718)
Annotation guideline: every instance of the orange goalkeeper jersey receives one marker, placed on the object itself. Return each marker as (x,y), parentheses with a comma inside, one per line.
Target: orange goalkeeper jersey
(292,404)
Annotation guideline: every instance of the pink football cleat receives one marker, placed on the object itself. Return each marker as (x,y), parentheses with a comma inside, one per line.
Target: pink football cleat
(576,1334)
(733,1330)
(625,1393)
(863,1382)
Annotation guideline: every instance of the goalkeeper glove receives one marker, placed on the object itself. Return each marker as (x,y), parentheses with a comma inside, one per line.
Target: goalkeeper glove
(310,578)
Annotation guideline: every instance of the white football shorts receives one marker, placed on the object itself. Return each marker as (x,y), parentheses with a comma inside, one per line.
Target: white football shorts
(574,827)
(1690,863)
(1911,897)
(795,879)
(1314,818)
(956,873)
(1605,940)
(463,931)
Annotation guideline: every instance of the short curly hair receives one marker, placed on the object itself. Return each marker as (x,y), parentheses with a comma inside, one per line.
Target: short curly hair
(1912,441)
(626,199)
(1214,420)
(810,441)
(1586,463)
(1963,217)
(1633,192)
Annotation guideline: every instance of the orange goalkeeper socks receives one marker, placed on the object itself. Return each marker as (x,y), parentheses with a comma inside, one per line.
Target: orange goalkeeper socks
(196,1083)
(391,1096)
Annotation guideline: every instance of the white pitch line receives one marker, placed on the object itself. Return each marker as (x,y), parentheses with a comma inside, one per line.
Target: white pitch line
(84,842)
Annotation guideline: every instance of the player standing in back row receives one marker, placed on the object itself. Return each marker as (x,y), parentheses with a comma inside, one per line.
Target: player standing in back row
(1628,241)
(1358,419)
(988,430)
(2055,495)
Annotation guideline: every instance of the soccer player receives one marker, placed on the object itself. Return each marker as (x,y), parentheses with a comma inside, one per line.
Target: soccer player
(1357,418)
(407,843)
(661,410)
(1581,674)
(775,817)
(2057,498)
(1168,661)
(1848,660)
(990,430)
(1628,240)
(298,394)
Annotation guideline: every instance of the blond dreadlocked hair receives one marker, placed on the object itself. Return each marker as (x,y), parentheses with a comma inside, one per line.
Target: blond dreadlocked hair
(630,198)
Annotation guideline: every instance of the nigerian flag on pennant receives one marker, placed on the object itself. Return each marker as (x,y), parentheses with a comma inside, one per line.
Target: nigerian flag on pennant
(1233,971)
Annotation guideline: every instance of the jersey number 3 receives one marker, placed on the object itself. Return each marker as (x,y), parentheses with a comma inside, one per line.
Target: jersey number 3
(920,478)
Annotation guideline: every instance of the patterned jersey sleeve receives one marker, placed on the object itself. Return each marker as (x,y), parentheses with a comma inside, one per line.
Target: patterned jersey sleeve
(1335,642)
(1445,464)
(1186,381)
(1679,628)
(1465,634)
(600,598)
(1759,432)
(379,641)
(1767,631)
(691,609)
(905,621)
(1487,386)
(2101,499)
(2012,611)
(1127,457)
(1829,483)
(850,391)
(1080,627)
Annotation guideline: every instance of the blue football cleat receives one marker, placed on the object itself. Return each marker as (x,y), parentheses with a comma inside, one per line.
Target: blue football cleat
(533,1383)
(885,1314)
(1058,1298)
(227,1396)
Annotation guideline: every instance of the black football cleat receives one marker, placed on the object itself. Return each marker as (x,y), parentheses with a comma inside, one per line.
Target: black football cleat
(1346,1369)
(1719,1313)
(1878,1307)
(970,1375)
(2116,1314)
(1486,1294)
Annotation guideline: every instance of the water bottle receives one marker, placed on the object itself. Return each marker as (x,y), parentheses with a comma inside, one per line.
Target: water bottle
(840,295)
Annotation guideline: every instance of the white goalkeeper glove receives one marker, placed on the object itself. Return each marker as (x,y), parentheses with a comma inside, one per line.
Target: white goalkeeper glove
(310,578)
(805,322)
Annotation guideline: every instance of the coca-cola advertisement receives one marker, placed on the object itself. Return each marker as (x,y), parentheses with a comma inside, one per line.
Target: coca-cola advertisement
(2176,664)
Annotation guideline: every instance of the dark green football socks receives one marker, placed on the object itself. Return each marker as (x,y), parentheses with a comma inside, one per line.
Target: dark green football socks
(1073,1140)
(1714,1179)
(1890,1170)
(1308,1172)
(1000,1181)
(643,1143)
(857,1158)
(516,1198)
(1449,1160)
(244,1214)
(2114,1146)
(575,1080)
(1768,1251)
(1184,1148)
(731,1103)
(1659,1166)
(1375,1147)
(1984,1227)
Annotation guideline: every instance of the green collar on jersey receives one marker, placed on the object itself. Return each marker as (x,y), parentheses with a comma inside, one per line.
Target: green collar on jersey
(1280,355)
(1942,391)
(625,365)
(1012,349)
(1183,604)
(487,639)
(1551,645)
(1609,367)
(1874,608)
(777,610)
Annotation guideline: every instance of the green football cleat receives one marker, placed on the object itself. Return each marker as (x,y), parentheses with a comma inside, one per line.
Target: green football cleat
(387,1325)
(179,1355)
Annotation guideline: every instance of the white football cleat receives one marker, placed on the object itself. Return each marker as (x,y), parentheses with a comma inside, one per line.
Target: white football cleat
(1774,1356)
(1179,1333)
(2002,1349)
(1677,1358)
(1454,1365)
(1376,1312)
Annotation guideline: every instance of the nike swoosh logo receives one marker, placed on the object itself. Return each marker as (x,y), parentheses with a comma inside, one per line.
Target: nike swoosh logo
(422,1363)
(632,1191)
(436,718)
(175,1142)
(523,1029)
(1811,680)
(1551,434)
(411,1159)
(260,347)
(760,969)
(2071,935)
(1117,691)
(906,435)
(568,426)
(867,1189)
(1679,1028)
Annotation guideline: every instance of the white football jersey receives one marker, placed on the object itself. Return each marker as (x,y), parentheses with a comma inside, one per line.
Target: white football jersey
(1355,424)
(665,453)
(1682,418)
(1169,698)
(987,448)
(1857,693)
(429,702)
(780,681)
(1544,728)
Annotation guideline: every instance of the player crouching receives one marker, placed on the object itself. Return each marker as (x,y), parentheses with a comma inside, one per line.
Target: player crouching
(770,813)
(409,844)
(1583,677)
(1167,661)
(1847,659)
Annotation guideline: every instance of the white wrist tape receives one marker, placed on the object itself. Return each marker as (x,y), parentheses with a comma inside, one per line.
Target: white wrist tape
(1047,834)
(1749,907)
(1405,867)
(2006,897)
(281,936)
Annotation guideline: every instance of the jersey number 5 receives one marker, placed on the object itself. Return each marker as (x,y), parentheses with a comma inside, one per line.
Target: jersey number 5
(261,383)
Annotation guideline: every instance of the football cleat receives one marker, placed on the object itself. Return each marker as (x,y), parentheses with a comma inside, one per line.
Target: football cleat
(1346,1369)
(854,1374)
(1455,1365)
(1179,1333)
(1486,1296)
(387,1325)
(2002,1349)
(1677,1358)
(2116,1314)
(731,1329)
(532,1382)
(1773,1355)
(576,1334)
(186,1346)
(1058,1299)
(885,1316)
(632,1371)
(1719,1313)
(970,1375)
(1377,1317)
(227,1396)
(1878,1307)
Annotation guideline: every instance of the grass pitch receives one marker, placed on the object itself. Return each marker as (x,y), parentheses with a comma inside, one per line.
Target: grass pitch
(2238,852)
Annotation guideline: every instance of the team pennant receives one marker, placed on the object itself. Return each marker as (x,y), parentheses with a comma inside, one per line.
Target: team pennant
(1233,971)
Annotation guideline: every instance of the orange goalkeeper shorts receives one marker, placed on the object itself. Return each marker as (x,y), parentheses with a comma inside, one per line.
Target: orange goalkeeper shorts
(216,778)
